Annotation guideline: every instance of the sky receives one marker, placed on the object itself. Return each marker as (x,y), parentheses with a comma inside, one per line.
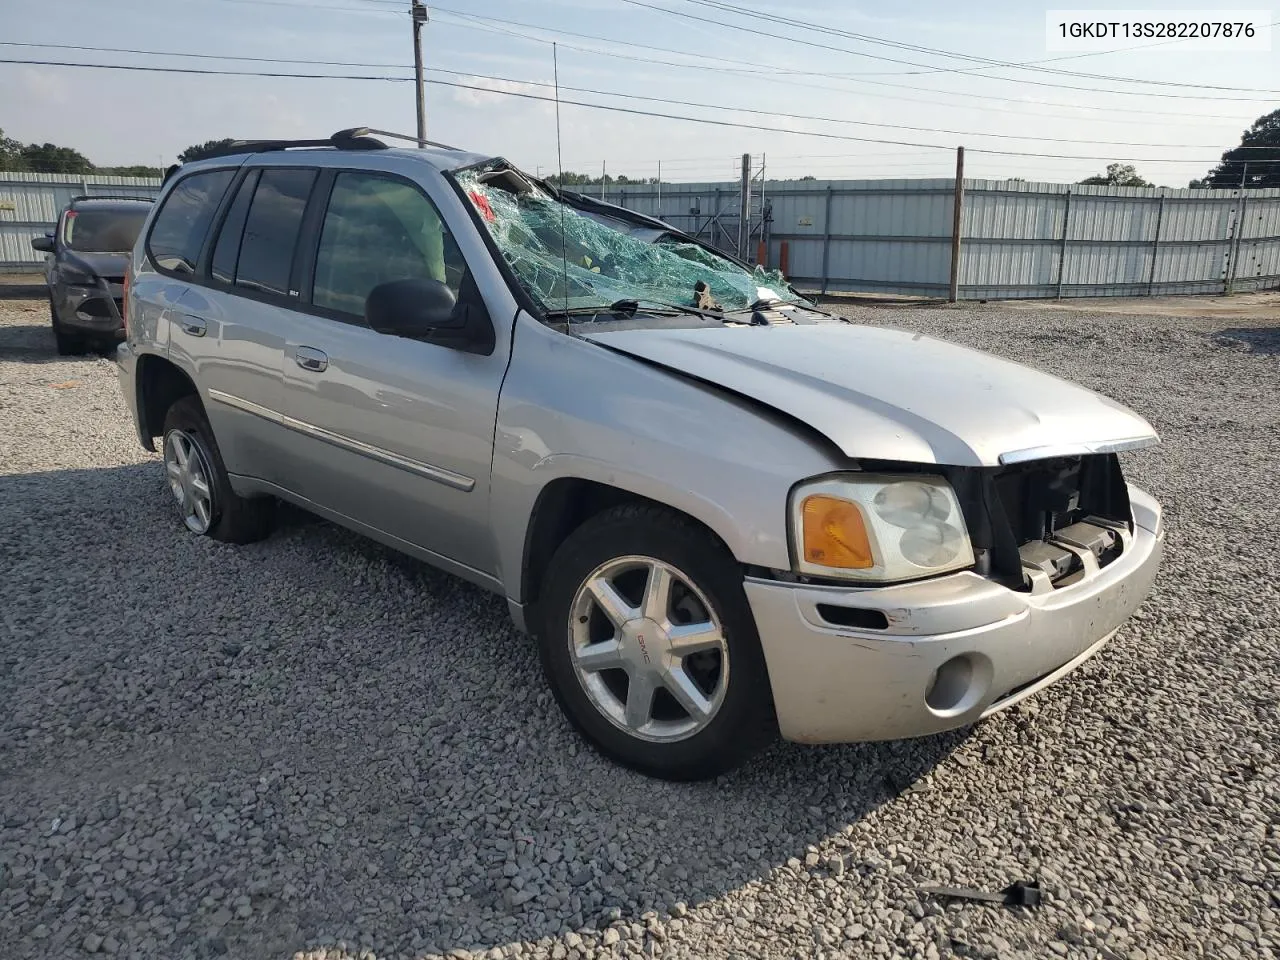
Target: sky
(770,84)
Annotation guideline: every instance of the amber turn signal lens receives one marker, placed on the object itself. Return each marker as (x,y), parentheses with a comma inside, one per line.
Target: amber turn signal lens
(835,535)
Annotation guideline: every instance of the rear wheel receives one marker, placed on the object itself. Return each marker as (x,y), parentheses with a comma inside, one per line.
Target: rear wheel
(650,647)
(199,484)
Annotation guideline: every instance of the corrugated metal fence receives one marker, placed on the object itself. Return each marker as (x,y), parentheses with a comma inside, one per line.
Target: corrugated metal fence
(30,204)
(895,236)
(1017,239)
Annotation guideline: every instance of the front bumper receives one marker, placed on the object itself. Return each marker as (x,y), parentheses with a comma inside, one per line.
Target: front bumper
(85,309)
(955,649)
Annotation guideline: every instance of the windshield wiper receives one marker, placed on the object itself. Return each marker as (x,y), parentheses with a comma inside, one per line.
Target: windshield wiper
(630,308)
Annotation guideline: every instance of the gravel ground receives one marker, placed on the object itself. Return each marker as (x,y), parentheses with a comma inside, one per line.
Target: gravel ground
(314,748)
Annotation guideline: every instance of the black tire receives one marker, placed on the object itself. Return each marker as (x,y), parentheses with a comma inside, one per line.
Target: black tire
(235,519)
(744,722)
(68,344)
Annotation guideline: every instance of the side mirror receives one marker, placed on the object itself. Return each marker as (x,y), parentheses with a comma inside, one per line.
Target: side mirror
(43,244)
(424,309)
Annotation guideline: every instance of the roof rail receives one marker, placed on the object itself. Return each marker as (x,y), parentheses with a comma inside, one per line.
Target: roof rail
(357,138)
(110,196)
(413,139)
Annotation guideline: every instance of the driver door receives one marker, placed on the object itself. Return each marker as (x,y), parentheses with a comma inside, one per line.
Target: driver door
(392,434)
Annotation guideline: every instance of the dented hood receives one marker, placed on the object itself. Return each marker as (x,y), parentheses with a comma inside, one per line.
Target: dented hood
(891,395)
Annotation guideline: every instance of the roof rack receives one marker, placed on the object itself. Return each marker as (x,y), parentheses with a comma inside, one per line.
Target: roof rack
(357,138)
(110,196)
(413,139)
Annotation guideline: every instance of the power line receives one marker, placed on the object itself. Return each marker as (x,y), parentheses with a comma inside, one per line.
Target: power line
(593,106)
(717,68)
(989,63)
(855,78)
(754,69)
(628,96)
(825,46)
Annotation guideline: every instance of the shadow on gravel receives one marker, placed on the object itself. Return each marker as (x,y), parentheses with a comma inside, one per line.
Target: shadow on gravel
(1253,339)
(357,744)
(33,343)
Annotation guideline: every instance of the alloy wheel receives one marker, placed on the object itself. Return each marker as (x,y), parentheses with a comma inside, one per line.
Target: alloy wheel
(188,474)
(648,648)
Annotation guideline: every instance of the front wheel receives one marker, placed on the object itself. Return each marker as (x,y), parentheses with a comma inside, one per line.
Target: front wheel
(650,647)
(68,344)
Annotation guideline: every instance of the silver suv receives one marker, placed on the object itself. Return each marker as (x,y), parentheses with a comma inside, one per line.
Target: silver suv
(723,513)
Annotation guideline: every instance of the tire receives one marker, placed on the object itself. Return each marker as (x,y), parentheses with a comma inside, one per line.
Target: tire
(578,641)
(188,438)
(68,344)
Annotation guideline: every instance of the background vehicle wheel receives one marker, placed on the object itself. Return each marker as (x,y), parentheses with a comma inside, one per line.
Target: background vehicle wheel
(650,647)
(68,344)
(198,480)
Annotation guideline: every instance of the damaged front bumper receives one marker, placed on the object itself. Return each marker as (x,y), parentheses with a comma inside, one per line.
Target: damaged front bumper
(87,309)
(942,653)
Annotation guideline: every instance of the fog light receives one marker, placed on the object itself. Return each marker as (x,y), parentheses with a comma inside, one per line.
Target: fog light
(959,685)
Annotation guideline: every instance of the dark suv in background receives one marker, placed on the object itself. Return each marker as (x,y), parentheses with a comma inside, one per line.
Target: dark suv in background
(89,251)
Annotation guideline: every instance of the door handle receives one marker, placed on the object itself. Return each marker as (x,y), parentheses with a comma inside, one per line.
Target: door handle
(309,358)
(196,326)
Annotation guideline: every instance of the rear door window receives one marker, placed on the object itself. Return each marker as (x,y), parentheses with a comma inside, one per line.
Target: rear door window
(226,252)
(183,222)
(271,230)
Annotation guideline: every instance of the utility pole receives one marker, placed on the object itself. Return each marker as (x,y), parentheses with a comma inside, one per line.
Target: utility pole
(604,172)
(419,13)
(744,208)
(659,213)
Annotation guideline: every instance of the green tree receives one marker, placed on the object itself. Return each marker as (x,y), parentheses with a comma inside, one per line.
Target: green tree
(50,158)
(198,151)
(1255,163)
(1118,175)
(138,170)
(11,154)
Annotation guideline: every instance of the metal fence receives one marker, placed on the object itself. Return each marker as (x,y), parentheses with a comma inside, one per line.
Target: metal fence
(1016,239)
(30,204)
(895,236)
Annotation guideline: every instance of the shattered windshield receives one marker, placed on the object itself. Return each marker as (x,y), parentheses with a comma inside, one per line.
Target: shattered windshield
(569,260)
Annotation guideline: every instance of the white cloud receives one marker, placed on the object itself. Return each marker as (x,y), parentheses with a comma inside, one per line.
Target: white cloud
(501,97)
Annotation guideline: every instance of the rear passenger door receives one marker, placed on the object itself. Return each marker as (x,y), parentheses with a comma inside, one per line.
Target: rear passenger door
(393,433)
(235,324)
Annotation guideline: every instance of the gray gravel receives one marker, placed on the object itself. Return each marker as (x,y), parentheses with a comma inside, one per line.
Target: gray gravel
(314,748)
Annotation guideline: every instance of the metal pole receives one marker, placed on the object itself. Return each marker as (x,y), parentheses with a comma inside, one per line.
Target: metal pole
(715,222)
(419,13)
(1233,251)
(744,208)
(954,292)
(1155,247)
(659,213)
(604,172)
(1062,242)
(826,240)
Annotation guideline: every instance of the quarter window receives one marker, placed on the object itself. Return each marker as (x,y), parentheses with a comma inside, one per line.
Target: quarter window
(182,223)
(271,229)
(378,229)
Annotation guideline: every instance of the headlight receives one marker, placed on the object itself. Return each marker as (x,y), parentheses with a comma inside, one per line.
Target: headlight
(878,528)
(76,277)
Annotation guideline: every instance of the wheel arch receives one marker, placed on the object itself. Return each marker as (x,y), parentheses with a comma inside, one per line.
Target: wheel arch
(159,383)
(567,502)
